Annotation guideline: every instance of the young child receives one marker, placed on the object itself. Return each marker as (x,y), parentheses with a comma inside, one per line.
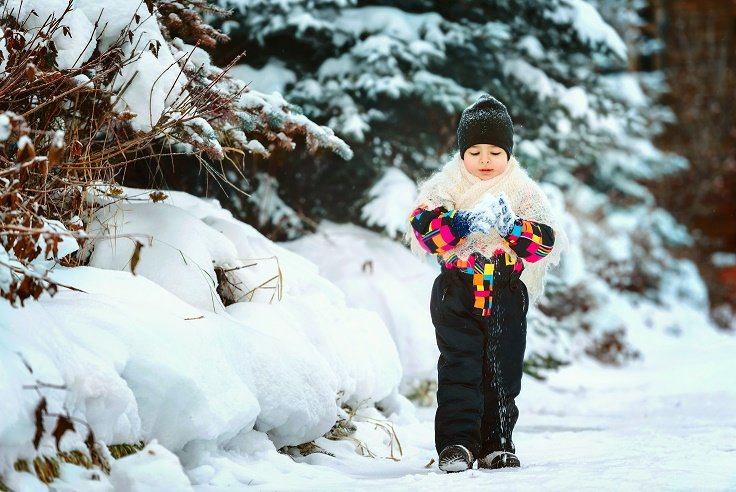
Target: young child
(490,226)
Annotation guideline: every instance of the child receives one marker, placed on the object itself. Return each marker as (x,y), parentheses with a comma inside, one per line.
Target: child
(490,226)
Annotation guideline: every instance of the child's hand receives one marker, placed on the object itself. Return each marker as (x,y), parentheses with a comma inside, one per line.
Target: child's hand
(505,217)
(484,215)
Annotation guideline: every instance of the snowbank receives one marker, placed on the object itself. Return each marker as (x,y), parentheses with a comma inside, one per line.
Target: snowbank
(156,355)
(380,274)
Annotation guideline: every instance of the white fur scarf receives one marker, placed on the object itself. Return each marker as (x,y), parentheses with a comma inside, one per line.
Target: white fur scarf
(453,187)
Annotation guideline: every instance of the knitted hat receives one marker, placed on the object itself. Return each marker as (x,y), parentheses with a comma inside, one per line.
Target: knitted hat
(486,121)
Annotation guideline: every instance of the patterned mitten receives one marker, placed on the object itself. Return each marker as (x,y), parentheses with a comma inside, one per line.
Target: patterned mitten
(505,217)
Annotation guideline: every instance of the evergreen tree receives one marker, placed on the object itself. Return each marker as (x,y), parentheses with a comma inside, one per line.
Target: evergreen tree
(391,79)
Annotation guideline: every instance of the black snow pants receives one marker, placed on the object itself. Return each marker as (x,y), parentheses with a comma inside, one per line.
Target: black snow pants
(480,364)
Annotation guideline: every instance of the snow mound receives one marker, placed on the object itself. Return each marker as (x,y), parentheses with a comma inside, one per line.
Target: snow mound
(379,274)
(153,468)
(157,355)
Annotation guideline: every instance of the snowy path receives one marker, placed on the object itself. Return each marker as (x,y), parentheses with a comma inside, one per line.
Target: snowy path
(666,423)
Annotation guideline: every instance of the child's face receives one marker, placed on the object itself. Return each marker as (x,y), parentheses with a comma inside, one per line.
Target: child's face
(485,161)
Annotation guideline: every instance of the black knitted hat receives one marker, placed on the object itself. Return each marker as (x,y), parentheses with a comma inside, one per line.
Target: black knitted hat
(486,121)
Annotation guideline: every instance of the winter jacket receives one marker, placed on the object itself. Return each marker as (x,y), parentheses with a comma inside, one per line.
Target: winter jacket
(440,230)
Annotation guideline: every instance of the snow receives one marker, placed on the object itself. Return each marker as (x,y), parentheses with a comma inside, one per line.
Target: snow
(390,198)
(78,45)
(722,259)
(663,423)
(153,82)
(684,282)
(532,46)
(379,274)
(272,77)
(536,81)
(144,357)
(271,208)
(181,263)
(214,395)
(23,142)
(5,127)
(627,87)
(589,24)
(392,22)
(153,468)
(355,126)
(335,325)
(575,99)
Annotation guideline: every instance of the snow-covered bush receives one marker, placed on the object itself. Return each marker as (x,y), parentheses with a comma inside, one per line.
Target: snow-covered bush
(88,90)
(155,355)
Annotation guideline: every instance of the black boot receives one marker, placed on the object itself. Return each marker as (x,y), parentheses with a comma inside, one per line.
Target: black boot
(455,458)
(499,459)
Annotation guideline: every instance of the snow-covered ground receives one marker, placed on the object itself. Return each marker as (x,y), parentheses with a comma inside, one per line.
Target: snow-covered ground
(215,390)
(666,422)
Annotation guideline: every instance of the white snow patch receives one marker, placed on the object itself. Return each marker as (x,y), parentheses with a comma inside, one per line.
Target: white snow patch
(589,25)
(723,259)
(575,99)
(272,77)
(379,274)
(153,468)
(391,200)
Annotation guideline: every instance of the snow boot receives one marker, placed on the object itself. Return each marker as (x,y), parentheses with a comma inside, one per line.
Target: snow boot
(455,458)
(499,459)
